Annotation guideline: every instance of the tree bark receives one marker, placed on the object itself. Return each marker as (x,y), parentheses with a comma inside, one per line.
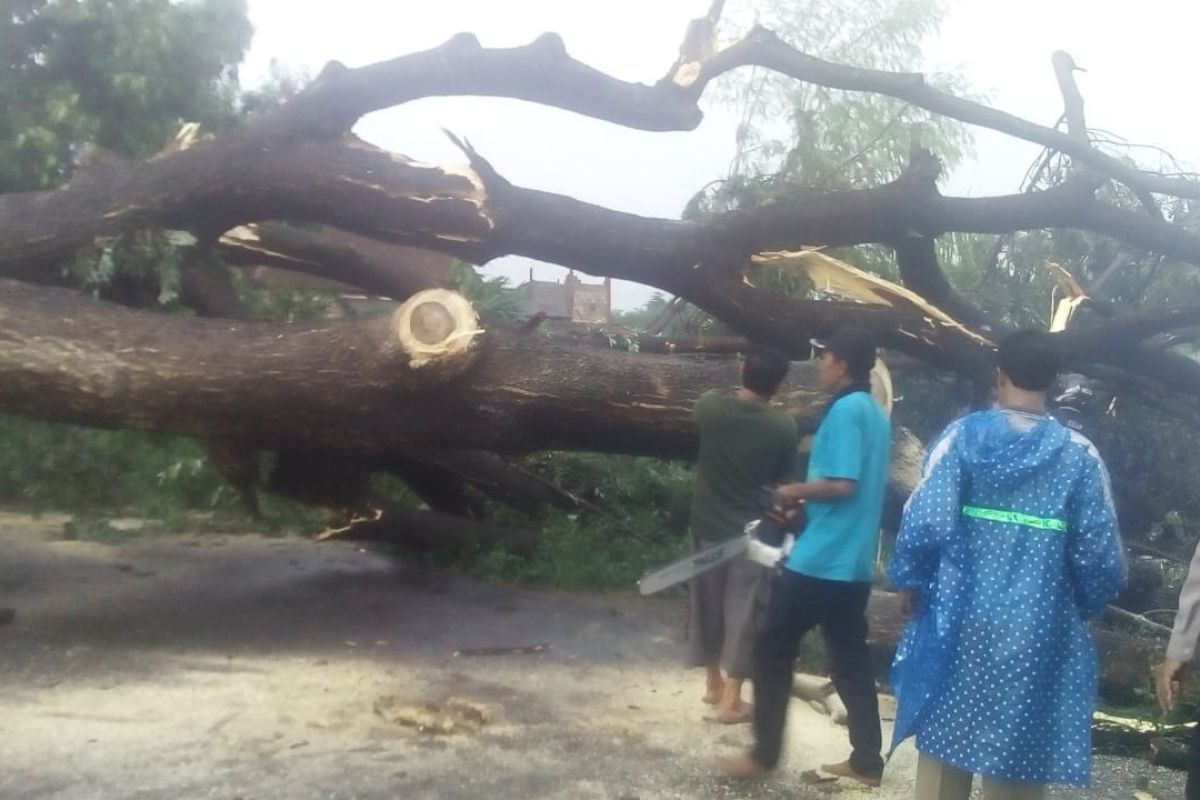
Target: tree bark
(362,388)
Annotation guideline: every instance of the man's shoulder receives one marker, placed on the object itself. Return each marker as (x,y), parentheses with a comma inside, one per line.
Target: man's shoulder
(712,399)
(779,417)
(858,407)
(1087,452)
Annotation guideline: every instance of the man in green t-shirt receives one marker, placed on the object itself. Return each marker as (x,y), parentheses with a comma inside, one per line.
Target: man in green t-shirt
(745,444)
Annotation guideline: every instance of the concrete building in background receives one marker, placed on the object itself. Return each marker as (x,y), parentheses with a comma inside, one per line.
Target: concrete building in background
(571,300)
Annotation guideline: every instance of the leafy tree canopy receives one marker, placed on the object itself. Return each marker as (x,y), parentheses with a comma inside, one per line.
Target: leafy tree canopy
(81,77)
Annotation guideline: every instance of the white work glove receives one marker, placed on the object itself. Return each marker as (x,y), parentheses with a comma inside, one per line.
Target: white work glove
(789,541)
(761,553)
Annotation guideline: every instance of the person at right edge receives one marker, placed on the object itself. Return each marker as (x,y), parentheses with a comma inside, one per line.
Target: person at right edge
(826,579)
(1006,548)
(1175,670)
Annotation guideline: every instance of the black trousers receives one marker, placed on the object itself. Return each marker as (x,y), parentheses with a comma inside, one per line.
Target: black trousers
(798,604)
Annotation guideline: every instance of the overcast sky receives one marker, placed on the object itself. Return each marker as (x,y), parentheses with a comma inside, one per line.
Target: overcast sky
(1140,61)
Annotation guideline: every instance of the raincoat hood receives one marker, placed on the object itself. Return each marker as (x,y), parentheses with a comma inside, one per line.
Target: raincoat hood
(1007,447)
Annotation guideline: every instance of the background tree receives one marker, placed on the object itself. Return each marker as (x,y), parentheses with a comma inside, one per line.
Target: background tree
(90,80)
(797,135)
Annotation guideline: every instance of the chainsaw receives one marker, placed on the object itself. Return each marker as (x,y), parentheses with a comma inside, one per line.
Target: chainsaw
(766,540)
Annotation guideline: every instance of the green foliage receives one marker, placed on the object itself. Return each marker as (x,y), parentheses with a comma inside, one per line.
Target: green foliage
(1156,469)
(97,475)
(489,295)
(646,501)
(145,263)
(642,317)
(295,304)
(686,320)
(575,550)
(282,83)
(118,76)
(46,466)
(795,134)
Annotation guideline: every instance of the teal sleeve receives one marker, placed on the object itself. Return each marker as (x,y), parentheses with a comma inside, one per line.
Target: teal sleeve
(843,456)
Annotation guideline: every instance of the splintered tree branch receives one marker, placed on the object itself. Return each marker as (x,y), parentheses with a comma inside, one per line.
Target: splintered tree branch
(1064,73)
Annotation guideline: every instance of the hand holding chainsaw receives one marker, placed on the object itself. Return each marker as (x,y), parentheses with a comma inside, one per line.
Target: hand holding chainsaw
(765,540)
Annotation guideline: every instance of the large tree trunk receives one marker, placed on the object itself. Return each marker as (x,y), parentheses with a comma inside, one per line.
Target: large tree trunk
(422,377)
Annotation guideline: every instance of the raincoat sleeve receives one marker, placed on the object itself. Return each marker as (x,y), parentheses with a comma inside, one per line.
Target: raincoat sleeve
(931,516)
(1096,557)
(1186,633)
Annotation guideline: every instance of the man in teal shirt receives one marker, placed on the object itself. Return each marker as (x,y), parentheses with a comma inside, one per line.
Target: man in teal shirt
(826,579)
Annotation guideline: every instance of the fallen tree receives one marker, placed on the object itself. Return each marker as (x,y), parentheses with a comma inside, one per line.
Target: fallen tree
(435,395)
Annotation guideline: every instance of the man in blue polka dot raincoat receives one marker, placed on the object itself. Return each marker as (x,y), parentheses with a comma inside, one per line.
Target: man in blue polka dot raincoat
(1007,547)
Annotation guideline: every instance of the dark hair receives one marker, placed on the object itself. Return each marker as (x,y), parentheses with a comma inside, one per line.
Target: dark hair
(763,370)
(855,346)
(1030,360)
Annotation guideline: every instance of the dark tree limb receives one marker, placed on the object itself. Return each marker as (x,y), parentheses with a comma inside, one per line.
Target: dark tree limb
(1064,72)
(440,489)
(498,478)
(206,287)
(1126,331)
(341,257)
(541,72)
(477,215)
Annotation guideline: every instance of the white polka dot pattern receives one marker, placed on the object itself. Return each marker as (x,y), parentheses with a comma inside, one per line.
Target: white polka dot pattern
(997,672)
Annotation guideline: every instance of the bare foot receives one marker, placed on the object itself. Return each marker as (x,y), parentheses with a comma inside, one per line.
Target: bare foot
(743,766)
(714,686)
(739,715)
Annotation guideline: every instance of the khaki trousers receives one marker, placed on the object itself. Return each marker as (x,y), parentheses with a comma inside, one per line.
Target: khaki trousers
(939,781)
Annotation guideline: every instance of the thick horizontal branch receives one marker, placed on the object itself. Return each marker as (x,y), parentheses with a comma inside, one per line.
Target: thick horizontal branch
(1127,331)
(475,214)
(343,258)
(540,72)
(543,72)
(344,393)
(72,359)
(347,387)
